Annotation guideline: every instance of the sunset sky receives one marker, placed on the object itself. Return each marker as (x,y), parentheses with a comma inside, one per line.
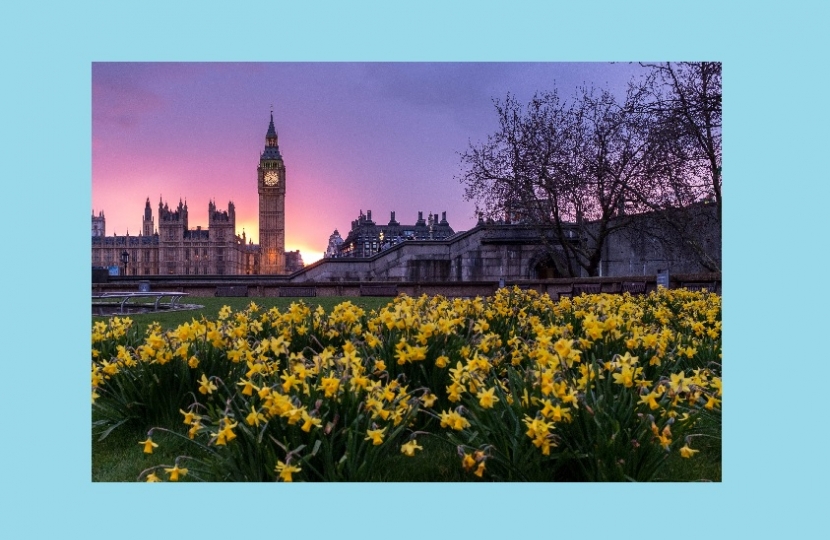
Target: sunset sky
(354,136)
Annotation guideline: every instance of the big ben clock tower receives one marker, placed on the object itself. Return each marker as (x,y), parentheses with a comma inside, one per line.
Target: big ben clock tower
(271,187)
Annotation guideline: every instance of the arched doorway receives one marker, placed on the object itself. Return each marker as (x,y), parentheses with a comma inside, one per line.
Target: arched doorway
(542,267)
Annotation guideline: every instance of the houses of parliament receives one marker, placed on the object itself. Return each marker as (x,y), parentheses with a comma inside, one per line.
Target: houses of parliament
(175,248)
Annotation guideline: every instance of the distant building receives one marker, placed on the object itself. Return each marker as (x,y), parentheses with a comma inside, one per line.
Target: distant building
(335,242)
(492,251)
(174,248)
(367,238)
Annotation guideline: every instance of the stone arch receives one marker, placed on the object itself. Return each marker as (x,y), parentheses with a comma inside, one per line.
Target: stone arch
(542,266)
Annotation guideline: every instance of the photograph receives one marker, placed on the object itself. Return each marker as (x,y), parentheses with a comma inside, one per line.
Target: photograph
(400,272)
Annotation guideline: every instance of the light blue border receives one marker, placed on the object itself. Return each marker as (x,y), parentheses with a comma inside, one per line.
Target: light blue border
(775,135)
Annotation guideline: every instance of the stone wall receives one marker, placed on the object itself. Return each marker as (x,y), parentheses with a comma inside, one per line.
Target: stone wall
(666,242)
(259,286)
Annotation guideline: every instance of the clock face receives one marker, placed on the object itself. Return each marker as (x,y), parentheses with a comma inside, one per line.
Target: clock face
(271,178)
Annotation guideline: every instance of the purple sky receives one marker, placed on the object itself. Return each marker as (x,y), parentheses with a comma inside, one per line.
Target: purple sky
(354,136)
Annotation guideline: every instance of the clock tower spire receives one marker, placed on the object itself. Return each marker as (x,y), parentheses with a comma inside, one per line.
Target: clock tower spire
(271,187)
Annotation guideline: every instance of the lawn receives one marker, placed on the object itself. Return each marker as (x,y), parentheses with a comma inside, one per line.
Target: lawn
(212,305)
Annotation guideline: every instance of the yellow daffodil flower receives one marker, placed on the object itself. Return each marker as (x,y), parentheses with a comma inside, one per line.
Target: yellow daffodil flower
(152,477)
(486,398)
(148,445)
(285,471)
(176,472)
(205,386)
(409,448)
(375,435)
(687,452)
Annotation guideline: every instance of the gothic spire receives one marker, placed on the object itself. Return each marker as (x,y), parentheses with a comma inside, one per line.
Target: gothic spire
(272,131)
(272,149)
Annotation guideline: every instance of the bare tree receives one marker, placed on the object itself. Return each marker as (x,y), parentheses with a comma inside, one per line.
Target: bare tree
(685,107)
(570,169)
(581,170)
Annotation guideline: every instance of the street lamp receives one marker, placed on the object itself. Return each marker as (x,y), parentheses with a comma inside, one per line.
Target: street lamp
(125,258)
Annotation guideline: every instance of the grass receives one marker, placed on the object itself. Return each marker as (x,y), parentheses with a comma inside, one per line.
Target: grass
(212,305)
(120,458)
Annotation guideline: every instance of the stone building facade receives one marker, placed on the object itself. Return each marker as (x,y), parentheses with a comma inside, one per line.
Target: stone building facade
(174,248)
(367,238)
(495,251)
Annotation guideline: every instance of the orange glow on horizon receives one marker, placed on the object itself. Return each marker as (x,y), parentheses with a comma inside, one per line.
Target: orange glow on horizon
(251,229)
(309,255)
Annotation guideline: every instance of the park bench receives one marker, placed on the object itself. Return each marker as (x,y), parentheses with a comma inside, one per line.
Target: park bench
(297,291)
(698,286)
(634,287)
(123,298)
(378,290)
(587,288)
(231,290)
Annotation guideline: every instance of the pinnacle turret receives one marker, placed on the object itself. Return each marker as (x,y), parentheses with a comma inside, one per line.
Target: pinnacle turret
(272,131)
(272,149)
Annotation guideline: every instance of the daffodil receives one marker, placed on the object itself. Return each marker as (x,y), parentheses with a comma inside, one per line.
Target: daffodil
(225,434)
(289,382)
(206,386)
(428,400)
(410,447)
(371,340)
(254,418)
(189,417)
(176,472)
(375,435)
(712,402)
(454,420)
(486,398)
(329,385)
(679,382)
(286,471)
(195,427)
(625,377)
(543,443)
(468,462)
(650,399)
(687,452)
(149,445)
(309,421)
(563,348)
